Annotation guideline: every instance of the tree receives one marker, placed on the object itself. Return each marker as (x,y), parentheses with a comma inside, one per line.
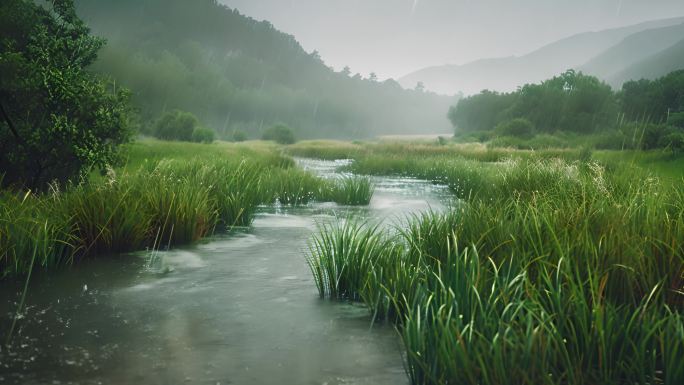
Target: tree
(373,77)
(279,133)
(57,120)
(420,87)
(346,71)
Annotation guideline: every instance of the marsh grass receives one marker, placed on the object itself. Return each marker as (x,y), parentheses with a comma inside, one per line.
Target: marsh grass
(350,190)
(157,201)
(548,271)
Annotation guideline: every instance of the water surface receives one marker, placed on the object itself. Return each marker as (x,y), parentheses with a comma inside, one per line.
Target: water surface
(237,308)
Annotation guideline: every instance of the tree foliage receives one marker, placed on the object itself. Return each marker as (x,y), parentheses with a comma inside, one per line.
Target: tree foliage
(644,114)
(56,118)
(182,126)
(279,133)
(653,100)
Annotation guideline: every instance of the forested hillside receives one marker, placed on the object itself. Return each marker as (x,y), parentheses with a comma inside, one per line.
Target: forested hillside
(236,73)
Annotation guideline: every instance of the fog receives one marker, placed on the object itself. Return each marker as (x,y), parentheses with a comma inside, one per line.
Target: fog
(395,37)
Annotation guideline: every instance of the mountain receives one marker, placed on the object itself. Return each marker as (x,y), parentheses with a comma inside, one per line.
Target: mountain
(236,73)
(653,67)
(632,50)
(506,74)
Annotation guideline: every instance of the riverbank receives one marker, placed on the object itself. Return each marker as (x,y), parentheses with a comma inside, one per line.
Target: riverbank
(166,194)
(235,307)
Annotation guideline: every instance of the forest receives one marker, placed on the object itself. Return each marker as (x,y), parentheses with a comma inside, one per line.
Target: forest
(238,74)
(644,114)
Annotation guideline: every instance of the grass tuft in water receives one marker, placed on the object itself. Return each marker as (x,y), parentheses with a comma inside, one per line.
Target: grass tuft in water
(547,271)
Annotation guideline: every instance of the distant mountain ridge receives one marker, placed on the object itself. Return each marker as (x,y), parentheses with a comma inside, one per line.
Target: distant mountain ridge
(663,62)
(631,50)
(508,73)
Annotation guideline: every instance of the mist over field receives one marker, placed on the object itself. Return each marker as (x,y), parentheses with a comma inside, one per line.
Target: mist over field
(396,37)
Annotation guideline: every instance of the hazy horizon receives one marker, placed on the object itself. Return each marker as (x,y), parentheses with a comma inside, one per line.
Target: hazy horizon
(395,37)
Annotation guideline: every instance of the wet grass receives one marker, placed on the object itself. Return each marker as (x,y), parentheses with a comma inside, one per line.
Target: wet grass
(548,271)
(157,201)
(350,190)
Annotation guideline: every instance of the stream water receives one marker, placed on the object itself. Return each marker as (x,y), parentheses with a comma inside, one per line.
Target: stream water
(237,308)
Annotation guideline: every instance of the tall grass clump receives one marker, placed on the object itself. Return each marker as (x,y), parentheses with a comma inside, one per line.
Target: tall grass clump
(167,195)
(340,256)
(547,271)
(30,237)
(350,190)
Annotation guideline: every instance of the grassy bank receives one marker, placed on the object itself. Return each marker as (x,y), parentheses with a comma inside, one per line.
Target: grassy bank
(166,194)
(550,270)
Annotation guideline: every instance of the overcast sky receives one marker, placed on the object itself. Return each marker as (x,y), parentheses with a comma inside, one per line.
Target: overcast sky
(395,37)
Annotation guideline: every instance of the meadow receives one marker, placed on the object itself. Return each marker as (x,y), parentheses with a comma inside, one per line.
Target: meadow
(554,267)
(164,194)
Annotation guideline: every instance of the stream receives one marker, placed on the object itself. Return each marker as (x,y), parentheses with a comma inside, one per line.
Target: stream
(235,308)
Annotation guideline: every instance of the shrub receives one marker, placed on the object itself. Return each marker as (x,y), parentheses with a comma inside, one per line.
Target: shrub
(202,135)
(239,136)
(516,127)
(176,125)
(280,133)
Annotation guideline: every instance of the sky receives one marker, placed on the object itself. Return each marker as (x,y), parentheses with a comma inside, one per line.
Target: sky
(395,37)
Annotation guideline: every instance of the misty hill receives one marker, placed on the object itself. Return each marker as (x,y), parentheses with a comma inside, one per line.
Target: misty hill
(236,73)
(634,49)
(506,74)
(653,67)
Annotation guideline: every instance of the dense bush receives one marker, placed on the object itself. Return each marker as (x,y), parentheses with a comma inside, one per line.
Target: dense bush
(202,135)
(654,136)
(176,125)
(280,133)
(239,136)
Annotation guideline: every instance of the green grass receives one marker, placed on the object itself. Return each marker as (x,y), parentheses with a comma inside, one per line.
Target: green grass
(350,190)
(166,194)
(549,270)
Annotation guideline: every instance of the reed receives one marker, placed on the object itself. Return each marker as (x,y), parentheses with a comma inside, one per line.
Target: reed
(168,194)
(547,271)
